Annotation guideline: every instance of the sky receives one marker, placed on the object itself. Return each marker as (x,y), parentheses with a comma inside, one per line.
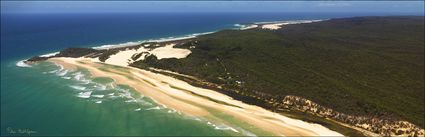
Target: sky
(210,6)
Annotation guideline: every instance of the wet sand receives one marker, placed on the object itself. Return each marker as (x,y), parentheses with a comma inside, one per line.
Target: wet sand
(195,101)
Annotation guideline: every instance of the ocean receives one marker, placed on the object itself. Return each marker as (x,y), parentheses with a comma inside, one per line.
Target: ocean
(45,99)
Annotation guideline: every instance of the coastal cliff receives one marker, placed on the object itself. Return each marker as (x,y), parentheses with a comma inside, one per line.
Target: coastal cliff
(384,127)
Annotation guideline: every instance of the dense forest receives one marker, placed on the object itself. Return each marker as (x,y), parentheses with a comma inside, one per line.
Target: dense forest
(366,66)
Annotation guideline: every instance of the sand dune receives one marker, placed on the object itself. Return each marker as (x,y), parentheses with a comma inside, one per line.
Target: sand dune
(273,26)
(123,58)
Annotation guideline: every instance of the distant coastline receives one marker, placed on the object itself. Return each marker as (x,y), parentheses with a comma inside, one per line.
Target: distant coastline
(243,26)
(194,35)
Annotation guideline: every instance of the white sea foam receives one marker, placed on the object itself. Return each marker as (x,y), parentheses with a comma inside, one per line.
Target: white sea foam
(62,73)
(131,101)
(222,127)
(122,90)
(84,94)
(66,77)
(111,85)
(49,54)
(100,87)
(138,109)
(77,87)
(239,25)
(246,133)
(125,94)
(113,97)
(144,103)
(98,102)
(85,81)
(53,71)
(22,64)
(197,119)
(179,38)
(98,96)
(225,127)
(153,108)
(134,43)
(171,111)
(245,27)
(60,67)
(127,44)
(78,75)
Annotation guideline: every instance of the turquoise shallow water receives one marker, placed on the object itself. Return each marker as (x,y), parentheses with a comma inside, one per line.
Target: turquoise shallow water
(73,103)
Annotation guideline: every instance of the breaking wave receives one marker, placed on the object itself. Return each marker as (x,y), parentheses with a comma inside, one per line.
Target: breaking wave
(89,89)
(134,43)
(77,87)
(22,64)
(95,92)
(62,73)
(153,108)
(98,96)
(84,94)
(49,54)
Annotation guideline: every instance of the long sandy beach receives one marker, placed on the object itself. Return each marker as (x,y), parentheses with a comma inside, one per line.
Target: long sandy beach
(195,101)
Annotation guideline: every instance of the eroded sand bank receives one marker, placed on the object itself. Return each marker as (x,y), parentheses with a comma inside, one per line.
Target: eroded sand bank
(195,101)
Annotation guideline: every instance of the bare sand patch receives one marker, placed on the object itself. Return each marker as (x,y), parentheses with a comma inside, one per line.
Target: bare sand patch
(272,26)
(124,57)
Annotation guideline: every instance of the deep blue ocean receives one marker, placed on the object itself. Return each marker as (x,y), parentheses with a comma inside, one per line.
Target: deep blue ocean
(25,35)
(44,100)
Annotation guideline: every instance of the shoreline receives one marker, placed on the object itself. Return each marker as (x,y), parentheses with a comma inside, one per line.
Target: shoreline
(157,40)
(237,26)
(271,25)
(173,93)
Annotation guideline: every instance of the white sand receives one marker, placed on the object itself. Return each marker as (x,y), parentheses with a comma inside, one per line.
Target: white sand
(160,88)
(274,26)
(169,52)
(123,58)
